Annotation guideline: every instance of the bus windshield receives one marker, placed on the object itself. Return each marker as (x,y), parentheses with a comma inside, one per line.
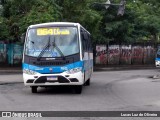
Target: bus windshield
(52,41)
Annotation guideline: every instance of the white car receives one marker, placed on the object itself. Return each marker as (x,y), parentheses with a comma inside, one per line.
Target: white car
(157,62)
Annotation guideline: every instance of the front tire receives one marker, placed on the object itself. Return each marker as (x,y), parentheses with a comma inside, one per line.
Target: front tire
(78,89)
(34,89)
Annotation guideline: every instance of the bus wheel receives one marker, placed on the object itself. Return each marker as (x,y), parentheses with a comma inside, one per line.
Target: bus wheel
(34,89)
(87,82)
(78,89)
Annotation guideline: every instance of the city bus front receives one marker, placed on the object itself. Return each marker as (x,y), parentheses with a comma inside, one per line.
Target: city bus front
(52,57)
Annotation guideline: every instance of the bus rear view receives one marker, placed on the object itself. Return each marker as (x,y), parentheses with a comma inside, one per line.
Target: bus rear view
(54,54)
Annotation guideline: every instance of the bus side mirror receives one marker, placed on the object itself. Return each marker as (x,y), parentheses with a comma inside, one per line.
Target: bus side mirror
(23,37)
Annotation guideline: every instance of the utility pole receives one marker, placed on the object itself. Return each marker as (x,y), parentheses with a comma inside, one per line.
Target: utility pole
(121,8)
(107,4)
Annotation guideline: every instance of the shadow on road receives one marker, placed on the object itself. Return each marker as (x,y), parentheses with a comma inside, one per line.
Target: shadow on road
(56,90)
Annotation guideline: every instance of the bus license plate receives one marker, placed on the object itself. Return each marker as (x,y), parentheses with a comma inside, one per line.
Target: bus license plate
(52,78)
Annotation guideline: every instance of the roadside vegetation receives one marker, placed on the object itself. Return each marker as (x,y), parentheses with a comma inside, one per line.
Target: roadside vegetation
(140,22)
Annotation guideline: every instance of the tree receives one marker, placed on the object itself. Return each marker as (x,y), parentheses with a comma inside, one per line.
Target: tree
(3,29)
(22,13)
(80,11)
(141,20)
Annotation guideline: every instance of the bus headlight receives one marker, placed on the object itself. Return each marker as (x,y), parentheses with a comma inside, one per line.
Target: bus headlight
(29,72)
(74,70)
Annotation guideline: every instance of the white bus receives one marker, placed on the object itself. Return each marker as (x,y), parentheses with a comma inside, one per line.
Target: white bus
(57,53)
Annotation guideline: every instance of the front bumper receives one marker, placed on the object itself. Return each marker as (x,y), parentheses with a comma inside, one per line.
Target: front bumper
(61,79)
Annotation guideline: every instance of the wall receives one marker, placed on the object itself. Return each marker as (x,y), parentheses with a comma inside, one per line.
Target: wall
(3,53)
(18,51)
(10,54)
(108,55)
(125,54)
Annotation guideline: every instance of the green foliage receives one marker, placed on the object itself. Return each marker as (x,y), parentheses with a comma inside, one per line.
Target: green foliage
(22,13)
(44,11)
(80,11)
(141,21)
(3,29)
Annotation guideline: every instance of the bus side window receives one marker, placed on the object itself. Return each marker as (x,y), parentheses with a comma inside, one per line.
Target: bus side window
(86,37)
(83,43)
(90,44)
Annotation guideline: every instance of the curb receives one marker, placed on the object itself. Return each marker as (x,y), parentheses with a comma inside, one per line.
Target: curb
(10,71)
(19,71)
(121,68)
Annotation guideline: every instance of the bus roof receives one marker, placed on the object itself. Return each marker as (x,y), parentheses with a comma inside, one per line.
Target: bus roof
(57,24)
(54,23)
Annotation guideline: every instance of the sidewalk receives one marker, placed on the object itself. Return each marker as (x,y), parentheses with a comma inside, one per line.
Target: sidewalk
(123,67)
(18,70)
(10,70)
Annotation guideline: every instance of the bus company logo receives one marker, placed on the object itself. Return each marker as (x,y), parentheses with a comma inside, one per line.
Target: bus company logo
(6,114)
(51,69)
(50,58)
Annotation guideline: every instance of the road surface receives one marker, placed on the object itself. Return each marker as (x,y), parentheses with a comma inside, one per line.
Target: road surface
(133,90)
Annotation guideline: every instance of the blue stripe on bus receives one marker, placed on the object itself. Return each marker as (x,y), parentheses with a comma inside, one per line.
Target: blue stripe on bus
(55,69)
(158,59)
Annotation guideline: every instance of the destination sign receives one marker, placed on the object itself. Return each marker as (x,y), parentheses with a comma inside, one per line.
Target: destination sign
(52,31)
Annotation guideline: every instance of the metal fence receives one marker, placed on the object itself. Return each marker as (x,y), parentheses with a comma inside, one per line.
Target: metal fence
(125,54)
(10,54)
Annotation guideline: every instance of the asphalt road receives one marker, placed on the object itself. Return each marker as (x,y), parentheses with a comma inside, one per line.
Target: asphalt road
(132,90)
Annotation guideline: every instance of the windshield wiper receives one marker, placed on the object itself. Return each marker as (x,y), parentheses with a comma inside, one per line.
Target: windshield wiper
(43,50)
(57,48)
(47,46)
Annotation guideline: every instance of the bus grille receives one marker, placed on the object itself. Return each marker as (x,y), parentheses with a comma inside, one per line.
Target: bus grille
(56,63)
(43,79)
